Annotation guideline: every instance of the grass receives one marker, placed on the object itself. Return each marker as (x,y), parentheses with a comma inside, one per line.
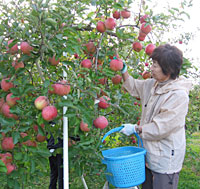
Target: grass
(190,174)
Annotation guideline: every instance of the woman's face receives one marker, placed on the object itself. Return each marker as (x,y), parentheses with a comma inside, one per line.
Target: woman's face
(157,73)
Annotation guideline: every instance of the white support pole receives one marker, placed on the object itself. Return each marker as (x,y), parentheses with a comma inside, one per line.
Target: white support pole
(65,146)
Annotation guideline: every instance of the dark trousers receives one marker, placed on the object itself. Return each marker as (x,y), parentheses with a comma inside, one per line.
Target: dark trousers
(56,168)
(160,181)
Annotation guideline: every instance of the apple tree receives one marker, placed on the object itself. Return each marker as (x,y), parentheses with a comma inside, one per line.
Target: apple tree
(57,54)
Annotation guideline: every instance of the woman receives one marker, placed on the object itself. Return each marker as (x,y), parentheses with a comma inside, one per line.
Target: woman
(164,100)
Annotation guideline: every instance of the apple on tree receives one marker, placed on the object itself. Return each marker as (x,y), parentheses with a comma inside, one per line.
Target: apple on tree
(41,102)
(125,13)
(101,26)
(90,46)
(13,49)
(103,104)
(84,127)
(86,63)
(17,64)
(116,79)
(6,111)
(103,80)
(110,23)
(141,36)
(145,28)
(116,14)
(26,48)
(61,88)
(137,46)
(40,138)
(149,49)
(10,168)
(6,85)
(7,143)
(101,122)
(49,113)
(30,143)
(11,101)
(116,64)
(143,18)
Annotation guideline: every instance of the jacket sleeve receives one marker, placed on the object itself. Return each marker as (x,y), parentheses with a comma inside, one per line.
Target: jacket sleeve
(134,86)
(170,118)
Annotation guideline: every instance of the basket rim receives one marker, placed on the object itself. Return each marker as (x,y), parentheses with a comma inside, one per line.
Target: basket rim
(142,152)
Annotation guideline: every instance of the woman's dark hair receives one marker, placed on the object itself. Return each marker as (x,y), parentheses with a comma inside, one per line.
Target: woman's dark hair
(170,59)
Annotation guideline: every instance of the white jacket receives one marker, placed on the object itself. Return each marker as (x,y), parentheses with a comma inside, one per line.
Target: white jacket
(163,121)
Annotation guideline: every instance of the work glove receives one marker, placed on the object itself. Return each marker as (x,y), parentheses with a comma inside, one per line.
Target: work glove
(124,69)
(128,129)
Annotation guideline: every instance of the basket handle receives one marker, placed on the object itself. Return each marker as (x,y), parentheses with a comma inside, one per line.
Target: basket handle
(118,129)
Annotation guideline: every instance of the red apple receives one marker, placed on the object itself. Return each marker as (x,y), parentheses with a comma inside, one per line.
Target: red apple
(13,49)
(141,36)
(91,48)
(30,143)
(116,79)
(76,56)
(6,85)
(53,60)
(17,64)
(146,75)
(104,102)
(145,28)
(7,143)
(143,18)
(101,27)
(6,157)
(40,138)
(149,49)
(49,113)
(6,111)
(86,63)
(61,88)
(110,23)
(26,48)
(137,46)
(116,65)
(103,81)
(101,122)
(11,101)
(84,127)
(35,127)
(125,13)
(22,134)
(10,168)
(116,14)
(41,102)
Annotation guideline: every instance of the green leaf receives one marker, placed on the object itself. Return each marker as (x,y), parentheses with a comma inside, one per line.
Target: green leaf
(3,168)
(18,156)
(32,166)
(16,137)
(51,22)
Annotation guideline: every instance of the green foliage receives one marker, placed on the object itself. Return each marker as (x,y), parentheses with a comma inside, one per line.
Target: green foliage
(192,119)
